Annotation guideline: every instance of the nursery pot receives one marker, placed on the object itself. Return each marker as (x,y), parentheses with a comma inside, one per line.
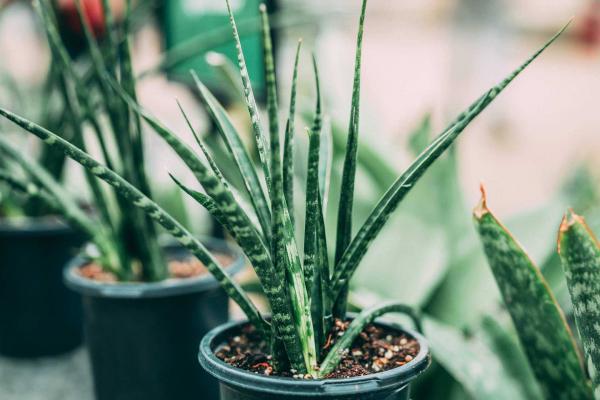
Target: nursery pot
(238,384)
(40,316)
(142,337)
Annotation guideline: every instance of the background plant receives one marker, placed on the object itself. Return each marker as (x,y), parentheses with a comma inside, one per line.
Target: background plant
(302,293)
(544,334)
(124,236)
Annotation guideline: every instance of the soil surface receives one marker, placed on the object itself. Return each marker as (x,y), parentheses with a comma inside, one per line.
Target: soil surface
(178,269)
(376,349)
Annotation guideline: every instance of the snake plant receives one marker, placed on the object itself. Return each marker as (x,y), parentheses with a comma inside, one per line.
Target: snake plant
(305,288)
(545,336)
(124,235)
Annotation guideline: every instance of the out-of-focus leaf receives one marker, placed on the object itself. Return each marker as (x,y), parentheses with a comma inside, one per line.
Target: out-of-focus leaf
(510,354)
(472,363)
(580,254)
(540,324)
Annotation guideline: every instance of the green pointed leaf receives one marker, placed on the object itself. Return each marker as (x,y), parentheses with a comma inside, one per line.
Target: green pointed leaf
(212,181)
(139,200)
(580,255)
(541,326)
(236,148)
(344,224)
(262,140)
(297,331)
(288,145)
(392,198)
(357,325)
(55,192)
(316,269)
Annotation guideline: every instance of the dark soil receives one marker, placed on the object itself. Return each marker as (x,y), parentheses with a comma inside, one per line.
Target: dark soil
(178,269)
(376,349)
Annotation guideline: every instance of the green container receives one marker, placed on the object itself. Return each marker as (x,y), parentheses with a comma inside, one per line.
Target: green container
(184,20)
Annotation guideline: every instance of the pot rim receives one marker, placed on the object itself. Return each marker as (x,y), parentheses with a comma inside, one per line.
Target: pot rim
(33,226)
(165,288)
(385,380)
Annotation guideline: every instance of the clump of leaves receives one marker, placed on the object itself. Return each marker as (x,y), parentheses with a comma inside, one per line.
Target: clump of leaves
(545,336)
(305,289)
(124,235)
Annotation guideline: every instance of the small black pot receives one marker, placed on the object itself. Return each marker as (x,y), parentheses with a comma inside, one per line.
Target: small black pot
(237,384)
(40,317)
(142,337)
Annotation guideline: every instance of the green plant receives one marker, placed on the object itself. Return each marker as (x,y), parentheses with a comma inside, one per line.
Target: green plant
(302,290)
(124,235)
(544,334)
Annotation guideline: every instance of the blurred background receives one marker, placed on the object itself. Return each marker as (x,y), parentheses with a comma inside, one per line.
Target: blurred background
(423,62)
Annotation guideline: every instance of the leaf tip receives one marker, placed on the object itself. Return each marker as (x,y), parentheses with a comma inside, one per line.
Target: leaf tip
(570,219)
(481,209)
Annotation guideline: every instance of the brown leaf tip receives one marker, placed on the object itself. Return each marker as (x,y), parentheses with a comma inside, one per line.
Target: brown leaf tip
(481,209)
(569,219)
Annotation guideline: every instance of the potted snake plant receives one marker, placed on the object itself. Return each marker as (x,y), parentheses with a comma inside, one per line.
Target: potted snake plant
(146,302)
(35,243)
(308,346)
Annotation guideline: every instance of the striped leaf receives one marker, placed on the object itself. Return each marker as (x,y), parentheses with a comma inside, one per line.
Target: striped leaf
(236,148)
(540,323)
(213,183)
(138,228)
(580,255)
(357,325)
(315,272)
(344,222)
(288,144)
(262,141)
(392,198)
(137,198)
(66,205)
(293,322)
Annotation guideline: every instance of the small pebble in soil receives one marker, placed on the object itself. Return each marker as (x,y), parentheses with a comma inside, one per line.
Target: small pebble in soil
(376,349)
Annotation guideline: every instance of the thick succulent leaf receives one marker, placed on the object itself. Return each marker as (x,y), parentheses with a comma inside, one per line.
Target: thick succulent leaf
(358,324)
(312,210)
(250,240)
(137,198)
(205,201)
(580,255)
(390,200)
(540,324)
(262,140)
(344,224)
(54,192)
(294,323)
(312,268)
(288,144)
(236,148)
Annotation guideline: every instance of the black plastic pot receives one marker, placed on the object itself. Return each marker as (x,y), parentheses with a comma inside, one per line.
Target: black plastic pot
(142,337)
(39,315)
(237,384)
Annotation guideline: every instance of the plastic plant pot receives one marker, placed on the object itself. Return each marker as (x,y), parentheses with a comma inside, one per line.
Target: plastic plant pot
(238,384)
(142,337)
(40,316)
